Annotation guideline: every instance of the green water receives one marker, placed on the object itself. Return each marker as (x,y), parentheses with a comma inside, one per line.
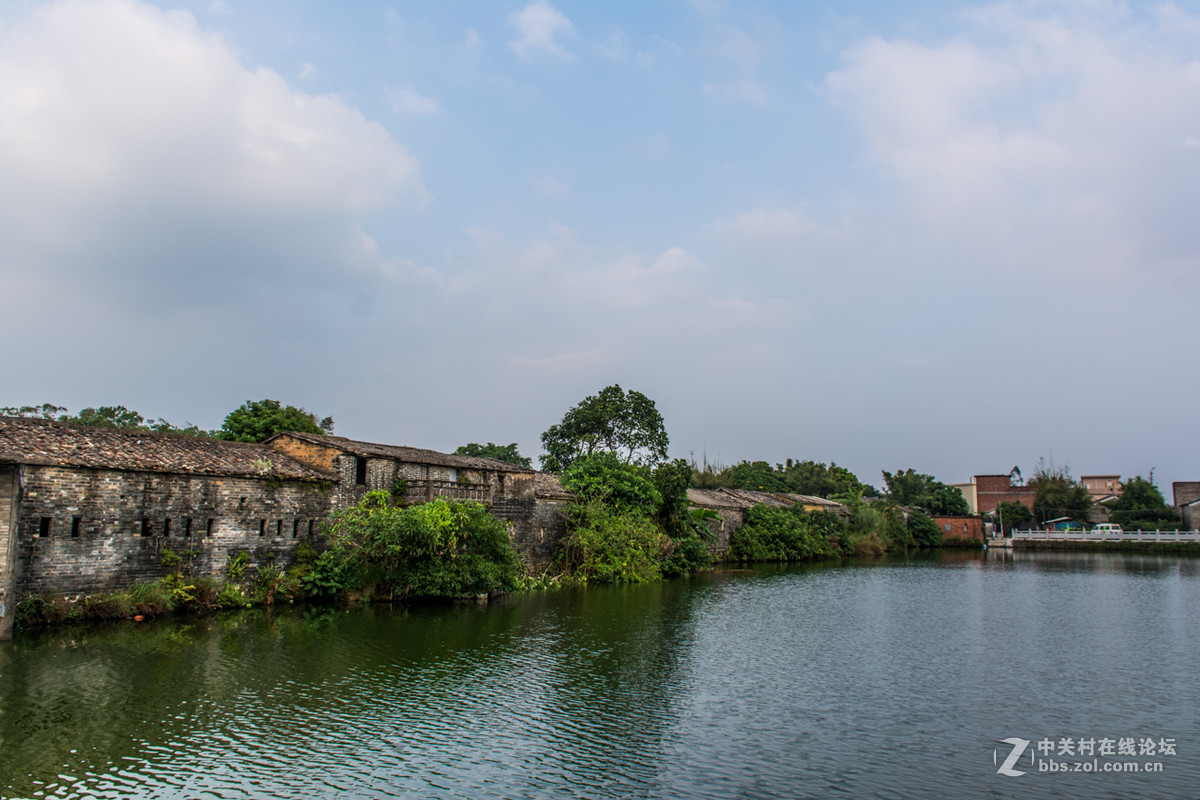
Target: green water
(889,679)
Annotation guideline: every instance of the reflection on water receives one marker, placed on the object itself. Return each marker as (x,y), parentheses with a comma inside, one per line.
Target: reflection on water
(866,679)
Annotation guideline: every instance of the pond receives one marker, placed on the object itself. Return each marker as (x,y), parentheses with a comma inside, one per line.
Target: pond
(897,678)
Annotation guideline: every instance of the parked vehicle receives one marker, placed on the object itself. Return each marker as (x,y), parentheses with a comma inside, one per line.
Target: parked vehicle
(1107,527)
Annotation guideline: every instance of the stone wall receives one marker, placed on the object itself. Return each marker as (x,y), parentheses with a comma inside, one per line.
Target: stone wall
(89,530)
(538,525)
(9,487)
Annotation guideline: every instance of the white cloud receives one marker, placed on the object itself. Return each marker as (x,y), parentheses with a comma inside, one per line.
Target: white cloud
(540,25)
(1050,127)
(407,101)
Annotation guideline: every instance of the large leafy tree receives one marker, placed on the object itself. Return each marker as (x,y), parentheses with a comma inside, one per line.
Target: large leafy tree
(506,453)
(102,417)
(614,421)
(917,490)
(1141,506)
(1056,494)
(256,421)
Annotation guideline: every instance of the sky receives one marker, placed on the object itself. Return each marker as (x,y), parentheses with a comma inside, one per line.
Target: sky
(950,236)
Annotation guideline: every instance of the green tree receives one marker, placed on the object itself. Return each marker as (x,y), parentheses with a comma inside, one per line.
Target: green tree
(917,490)
(44,411)
(256,421)
(613,421)
(506,453)
(1056,494)
(1013,515)
(603,477)
(757,476)
(1141,507)
(923,530)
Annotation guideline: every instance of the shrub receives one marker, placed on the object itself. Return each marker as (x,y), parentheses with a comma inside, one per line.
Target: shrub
(923,530)
(777,534)
(606,545)
(437,549)
(605,478)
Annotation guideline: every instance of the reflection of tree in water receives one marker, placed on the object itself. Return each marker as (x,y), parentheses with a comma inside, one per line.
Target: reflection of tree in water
(171,700)
(611,675)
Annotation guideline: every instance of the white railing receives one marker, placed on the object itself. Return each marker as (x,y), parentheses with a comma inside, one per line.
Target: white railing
(1107,536)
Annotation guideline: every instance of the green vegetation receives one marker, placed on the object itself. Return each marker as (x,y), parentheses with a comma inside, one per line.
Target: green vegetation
(916,490)
(1013,516)
(797,477)
(507,453)
(1141,507)
(379,550)
(118,417)
(1057,494)
(257,421)
(613,421)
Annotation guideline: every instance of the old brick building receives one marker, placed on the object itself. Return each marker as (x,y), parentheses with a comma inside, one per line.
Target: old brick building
(93,509)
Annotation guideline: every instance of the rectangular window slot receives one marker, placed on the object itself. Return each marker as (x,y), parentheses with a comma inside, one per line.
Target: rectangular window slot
(44,527)
(360,471)
(310,527)
(295,529)
(76,522)
(278,528)
(145,526)
(208,528)
(167,526)
(187,528)
(262,527)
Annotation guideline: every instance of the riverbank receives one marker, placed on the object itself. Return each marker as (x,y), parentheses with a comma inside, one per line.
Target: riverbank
(1171,548)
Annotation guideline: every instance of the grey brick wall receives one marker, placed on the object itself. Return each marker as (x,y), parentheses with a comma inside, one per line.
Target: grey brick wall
(8,547)
(89,530)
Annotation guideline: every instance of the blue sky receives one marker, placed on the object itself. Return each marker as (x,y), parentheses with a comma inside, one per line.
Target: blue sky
(951,236)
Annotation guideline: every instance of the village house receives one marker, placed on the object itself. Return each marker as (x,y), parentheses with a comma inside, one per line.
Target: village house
(731,506)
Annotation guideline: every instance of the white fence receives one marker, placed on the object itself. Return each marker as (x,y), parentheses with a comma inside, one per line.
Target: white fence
(1107,536)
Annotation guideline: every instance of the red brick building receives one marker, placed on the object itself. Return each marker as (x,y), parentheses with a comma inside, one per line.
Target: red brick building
(961,527)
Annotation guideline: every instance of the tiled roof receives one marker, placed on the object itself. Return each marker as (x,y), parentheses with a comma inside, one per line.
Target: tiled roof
(745,498)
(412,455)
(37,441)
(547,485)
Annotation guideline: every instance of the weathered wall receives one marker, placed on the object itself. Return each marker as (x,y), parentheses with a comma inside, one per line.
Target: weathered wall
(89,530)
(9,488)
(538,525)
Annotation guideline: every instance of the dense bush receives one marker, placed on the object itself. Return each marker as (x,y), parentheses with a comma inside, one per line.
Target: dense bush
(437,549)
(781,534)
(604,477)
(923,530)
(612,545)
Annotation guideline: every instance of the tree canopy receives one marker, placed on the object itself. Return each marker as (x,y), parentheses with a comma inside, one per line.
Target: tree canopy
(1141,506)
(1056,494)
(118,417)
(507,453)
(256,421)
(917,490)
(615,421)
(798,477)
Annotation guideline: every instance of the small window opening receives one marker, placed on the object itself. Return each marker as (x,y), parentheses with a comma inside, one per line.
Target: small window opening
(76,522)
(360,471)
(145,526)
(208,528)
(295,529)
(262,527)
(167,526)
(310,527)
(44,527)
(279,527)
(187,528)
